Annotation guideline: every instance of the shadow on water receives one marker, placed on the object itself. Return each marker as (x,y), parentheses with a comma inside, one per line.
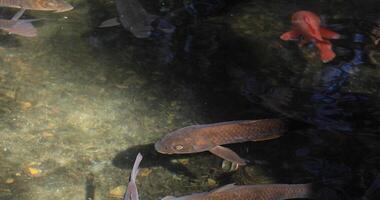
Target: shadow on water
(125,160)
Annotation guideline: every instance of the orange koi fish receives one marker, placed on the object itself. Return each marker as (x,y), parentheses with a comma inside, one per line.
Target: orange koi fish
(308,25)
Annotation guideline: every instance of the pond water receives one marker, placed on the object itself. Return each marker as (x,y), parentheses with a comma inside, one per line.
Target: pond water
(78,102)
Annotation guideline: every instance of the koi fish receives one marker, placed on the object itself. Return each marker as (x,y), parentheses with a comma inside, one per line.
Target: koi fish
(46,5)
(308,25)
(19,27)
(209,137)
(253,192)
(131,193)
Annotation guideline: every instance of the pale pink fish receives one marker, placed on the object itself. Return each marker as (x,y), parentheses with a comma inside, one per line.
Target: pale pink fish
(16,26)
(132,193)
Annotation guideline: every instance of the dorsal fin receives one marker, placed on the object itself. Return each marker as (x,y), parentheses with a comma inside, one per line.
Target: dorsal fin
(313,30)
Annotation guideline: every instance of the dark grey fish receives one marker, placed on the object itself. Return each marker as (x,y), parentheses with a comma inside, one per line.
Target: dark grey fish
(133,17)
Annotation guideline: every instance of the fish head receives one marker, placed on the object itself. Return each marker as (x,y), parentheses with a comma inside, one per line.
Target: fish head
(56,5)
(307,23)
(181,141)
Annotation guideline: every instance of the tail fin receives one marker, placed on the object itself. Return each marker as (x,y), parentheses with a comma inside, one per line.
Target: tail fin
(325,50)
(132,193)
(109,23)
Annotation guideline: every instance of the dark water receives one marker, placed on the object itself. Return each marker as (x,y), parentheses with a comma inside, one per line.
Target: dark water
(77,103)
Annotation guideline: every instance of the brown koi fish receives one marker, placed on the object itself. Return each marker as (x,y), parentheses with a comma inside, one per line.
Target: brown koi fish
(209,137)
(253,192)
(46,5)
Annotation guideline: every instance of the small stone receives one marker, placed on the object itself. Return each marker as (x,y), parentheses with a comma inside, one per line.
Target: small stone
(211,182)
(10,180)
(33,171)
(25,105)
(184,161)
(10,94)
(229,166)
(118,192)
(144,172)
(47,135)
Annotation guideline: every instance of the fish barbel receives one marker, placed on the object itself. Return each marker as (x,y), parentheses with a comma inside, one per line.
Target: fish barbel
(209,137)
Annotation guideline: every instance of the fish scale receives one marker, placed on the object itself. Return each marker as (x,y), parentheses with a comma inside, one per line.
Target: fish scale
(250,130)
(255,192)
(17,3)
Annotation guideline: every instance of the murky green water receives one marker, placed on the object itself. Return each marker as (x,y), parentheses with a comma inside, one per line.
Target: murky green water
(77,103)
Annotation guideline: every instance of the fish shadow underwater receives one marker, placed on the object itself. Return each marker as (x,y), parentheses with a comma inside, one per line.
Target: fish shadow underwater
(126,158)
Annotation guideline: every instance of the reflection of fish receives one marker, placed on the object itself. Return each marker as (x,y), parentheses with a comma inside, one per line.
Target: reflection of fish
(209,137)
(308,25)
(131,193)
(48,5)
(19,27)
(133,17)
(253,192)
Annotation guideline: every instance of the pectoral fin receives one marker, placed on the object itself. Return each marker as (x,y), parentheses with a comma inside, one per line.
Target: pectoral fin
(109,23)
(227,154)
(23,28)
(290,35)
(329,34)
(18,14)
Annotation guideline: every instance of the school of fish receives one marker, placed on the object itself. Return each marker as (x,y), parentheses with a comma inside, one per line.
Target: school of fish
(306,27)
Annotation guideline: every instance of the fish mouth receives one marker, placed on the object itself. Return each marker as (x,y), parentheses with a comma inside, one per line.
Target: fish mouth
(160,149)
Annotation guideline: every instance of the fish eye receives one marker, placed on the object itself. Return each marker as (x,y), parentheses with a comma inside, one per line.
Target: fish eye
(178,147)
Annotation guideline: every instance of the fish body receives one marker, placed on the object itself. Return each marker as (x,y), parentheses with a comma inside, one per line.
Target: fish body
(209,137)
(45,5)
(133,17)
(308,25)
(131,193)
(253,192)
